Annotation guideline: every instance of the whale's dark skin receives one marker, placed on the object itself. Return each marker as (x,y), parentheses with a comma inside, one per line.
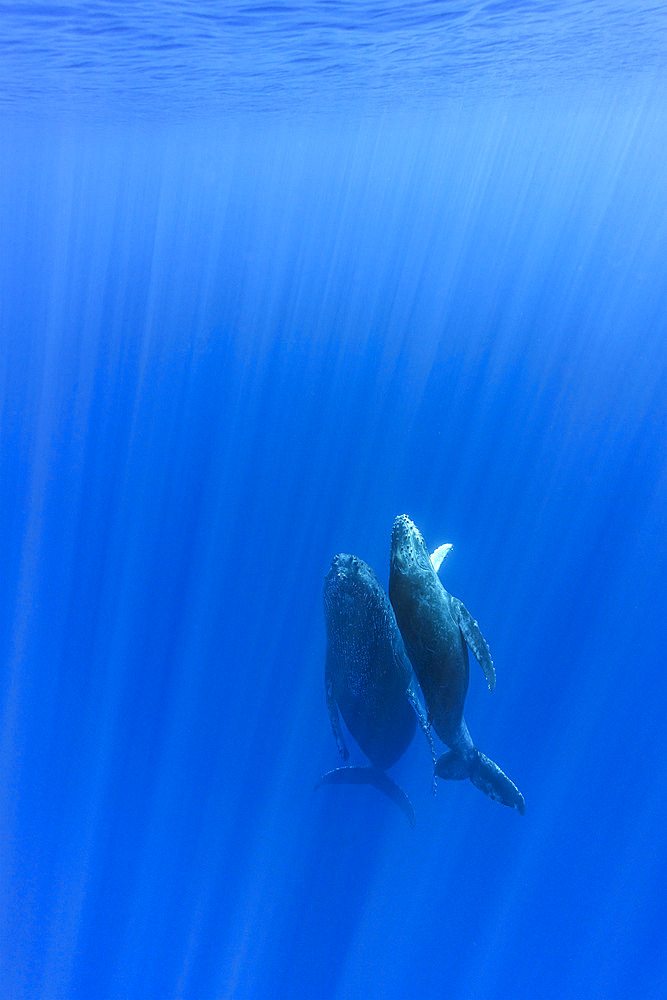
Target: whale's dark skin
(437,630)
(368,677)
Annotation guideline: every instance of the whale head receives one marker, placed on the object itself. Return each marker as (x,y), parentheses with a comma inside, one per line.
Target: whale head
(349,581)
(409,555)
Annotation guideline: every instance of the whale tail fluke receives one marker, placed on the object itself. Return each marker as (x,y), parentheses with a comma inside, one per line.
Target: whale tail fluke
(484,775)
(353,775)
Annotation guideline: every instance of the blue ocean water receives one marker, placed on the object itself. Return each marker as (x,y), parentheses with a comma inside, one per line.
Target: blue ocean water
(270,275)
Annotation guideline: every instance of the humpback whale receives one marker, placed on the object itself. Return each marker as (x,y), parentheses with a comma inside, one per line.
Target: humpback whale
(369,678)
(437,630)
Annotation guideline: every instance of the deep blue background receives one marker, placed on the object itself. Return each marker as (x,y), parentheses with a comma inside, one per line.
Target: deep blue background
(231,348)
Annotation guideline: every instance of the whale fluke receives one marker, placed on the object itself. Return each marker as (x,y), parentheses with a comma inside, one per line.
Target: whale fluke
(353,775)
(484,775)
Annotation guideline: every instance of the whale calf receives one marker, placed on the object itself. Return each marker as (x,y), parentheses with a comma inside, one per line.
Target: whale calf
(437,630)
(368,678)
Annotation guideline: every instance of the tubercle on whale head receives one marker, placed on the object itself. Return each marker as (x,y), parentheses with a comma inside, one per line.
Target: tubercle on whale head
(408,548)
(352,591)
(343,563)
(347,571)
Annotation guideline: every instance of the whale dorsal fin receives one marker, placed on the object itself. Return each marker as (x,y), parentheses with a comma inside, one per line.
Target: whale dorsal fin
(439,554)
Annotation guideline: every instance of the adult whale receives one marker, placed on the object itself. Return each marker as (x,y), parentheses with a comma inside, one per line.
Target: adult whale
(437,630)
(368,678)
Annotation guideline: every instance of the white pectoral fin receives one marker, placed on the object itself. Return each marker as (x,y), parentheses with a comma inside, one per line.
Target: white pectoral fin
(439,554)
(476,641)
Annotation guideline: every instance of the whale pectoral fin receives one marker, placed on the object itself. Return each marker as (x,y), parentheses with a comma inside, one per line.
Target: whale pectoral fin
(420,712)
(353,775)
(439,554)
(488,777)
(334,717)
(475,639)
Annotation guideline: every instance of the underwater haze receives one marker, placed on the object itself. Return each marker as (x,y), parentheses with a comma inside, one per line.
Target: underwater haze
(270,275)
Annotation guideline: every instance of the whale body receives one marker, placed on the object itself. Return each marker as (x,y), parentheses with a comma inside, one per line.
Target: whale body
(368,677)
(437,630)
